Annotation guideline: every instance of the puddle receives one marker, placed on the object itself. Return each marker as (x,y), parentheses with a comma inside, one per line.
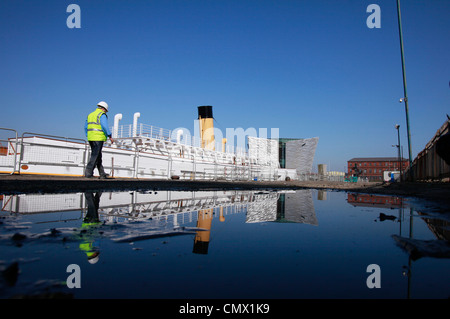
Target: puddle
(222,244)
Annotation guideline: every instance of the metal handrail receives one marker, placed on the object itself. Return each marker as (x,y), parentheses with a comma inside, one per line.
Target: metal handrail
(15,149)
(54,136)
(31,134)
(154,132)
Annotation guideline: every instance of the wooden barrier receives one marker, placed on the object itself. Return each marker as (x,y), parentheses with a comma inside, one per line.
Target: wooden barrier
(428,165)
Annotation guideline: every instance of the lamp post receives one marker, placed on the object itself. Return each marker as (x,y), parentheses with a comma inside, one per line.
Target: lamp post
(405,98)
(400,160)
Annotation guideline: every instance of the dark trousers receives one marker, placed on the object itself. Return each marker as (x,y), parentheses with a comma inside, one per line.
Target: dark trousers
(93,202)
(96,159)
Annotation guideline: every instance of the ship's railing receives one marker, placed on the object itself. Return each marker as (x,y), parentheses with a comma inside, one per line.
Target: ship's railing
(72,154)
(32,151)
(199,163)
(128,131)
(8,151)
(36,153)
(215,165)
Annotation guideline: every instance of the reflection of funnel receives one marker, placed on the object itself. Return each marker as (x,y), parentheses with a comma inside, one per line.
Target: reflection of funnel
(205,118)
(204,221)
(221,217)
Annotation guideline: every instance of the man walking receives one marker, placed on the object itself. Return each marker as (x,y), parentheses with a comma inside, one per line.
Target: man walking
(97,132)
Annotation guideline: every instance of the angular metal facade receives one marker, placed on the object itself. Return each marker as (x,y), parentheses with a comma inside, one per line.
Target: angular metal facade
(299,153)
(264,150)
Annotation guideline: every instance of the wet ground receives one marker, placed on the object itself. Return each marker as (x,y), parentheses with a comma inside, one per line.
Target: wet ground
(20,184)
(225,243)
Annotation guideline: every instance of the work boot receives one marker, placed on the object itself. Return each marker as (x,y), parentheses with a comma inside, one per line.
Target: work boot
(102,173)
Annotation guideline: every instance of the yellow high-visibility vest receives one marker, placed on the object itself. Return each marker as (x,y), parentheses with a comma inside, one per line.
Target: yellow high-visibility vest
(94,128)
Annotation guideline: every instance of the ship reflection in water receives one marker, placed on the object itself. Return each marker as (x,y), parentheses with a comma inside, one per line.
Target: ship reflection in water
(221,244)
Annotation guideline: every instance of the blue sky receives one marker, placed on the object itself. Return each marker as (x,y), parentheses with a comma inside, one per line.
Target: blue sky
(309,68)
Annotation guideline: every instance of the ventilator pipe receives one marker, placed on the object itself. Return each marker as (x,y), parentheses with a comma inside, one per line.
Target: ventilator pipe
(135,119)
(117,118)
(224,144)
(179,134)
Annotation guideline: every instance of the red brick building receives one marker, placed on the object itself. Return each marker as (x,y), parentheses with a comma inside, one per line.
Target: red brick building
(374,167)
(380,201)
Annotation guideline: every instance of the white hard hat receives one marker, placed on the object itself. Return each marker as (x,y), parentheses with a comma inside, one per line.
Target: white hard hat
(93,260)
(103,104)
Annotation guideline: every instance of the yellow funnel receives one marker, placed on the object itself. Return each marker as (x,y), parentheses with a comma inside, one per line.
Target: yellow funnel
(206,119)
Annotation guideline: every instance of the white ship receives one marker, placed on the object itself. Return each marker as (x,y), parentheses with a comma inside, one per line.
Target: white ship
(145,151)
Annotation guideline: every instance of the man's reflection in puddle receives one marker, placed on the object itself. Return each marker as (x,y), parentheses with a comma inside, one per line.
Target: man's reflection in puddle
(89,227)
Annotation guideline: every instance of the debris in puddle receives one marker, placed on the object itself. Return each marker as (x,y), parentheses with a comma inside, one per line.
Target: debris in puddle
(417,248)
(10,274)
(384,217)
(18,237)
